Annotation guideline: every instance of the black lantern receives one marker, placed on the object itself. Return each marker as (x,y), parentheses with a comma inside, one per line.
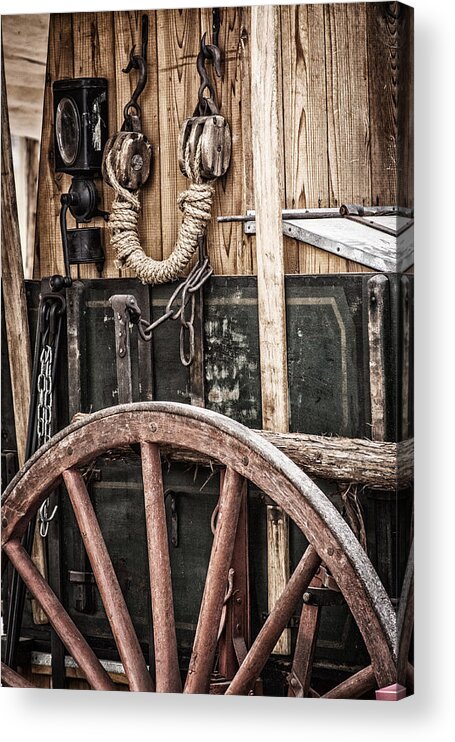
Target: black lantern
(80,125)
(80,134)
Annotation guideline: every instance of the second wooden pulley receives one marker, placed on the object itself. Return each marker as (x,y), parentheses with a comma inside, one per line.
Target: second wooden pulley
(130,154)
(205,146)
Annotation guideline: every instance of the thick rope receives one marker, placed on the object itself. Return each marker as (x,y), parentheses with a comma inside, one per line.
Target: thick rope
(196,205)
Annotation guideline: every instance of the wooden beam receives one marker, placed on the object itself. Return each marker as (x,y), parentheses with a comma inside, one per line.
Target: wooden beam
(377,297)
(25,49)
(269,201)
(16,318)
(357,460)
(32,170)
(15,301)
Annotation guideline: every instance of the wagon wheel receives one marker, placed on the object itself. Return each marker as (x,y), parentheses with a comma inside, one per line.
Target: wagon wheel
(246,455)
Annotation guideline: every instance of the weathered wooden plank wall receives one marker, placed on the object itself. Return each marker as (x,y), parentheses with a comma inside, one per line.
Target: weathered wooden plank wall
(346,88)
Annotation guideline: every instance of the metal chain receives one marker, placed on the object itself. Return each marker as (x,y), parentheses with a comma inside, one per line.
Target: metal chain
(44,423)
(185,311)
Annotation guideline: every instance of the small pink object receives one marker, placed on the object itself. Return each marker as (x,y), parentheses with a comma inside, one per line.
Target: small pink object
(394,692)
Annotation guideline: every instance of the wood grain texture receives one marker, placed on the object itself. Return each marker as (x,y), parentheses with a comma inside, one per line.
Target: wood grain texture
(345,92)
(94,54)
(355,686)
(12,679)
(378,287)
(167,674)
(58,617)
(206,637)
(32,172)
(390,81)
(230,252)
(306,128)
(178,37)
(383,51)
(405,140)
(268,192)
(250,456)
(305,96)
(107,583)
(127,33)
(356,460)
(307,635)
(15,302)
(16,319)
(269,198)
(348,103)
(48,243)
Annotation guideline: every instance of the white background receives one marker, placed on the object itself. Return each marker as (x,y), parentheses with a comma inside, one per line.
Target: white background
(64,715)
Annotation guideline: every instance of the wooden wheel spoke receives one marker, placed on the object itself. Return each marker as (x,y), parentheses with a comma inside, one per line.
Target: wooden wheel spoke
(202,657)
(302,664)
(58,617)
(107,582)
(166,658)
(277,620)
(355,686)
(12,679)
(207,434)
(405,620)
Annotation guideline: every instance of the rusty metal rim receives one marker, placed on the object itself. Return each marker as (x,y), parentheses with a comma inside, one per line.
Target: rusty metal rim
(310,500)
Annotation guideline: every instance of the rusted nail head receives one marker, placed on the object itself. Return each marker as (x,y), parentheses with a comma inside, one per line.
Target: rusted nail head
(245,461)
(4,522)
(69,451)
(330,551)
(152,427)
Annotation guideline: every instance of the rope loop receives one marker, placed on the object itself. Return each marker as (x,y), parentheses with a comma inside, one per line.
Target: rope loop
(196,205)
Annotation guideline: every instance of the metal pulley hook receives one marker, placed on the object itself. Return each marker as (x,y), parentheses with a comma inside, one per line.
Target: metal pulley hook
(207,104)
(132,110)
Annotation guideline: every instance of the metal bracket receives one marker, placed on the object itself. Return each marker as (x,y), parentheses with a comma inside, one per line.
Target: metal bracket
(174,516)
(296,684)
(384,241)
(323,596)
(126,311)
(83,590)
(10,466)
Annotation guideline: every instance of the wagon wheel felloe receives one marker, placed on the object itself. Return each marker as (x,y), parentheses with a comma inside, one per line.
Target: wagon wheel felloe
(245,455)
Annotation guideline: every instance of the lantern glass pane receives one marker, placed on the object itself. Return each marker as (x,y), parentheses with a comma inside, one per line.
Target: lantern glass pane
(68,130)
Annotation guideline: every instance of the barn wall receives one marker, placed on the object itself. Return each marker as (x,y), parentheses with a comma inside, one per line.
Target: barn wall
(346,92)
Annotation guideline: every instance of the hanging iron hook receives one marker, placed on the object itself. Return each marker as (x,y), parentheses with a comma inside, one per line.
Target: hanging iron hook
(212,52)
(207,104)
(137,62)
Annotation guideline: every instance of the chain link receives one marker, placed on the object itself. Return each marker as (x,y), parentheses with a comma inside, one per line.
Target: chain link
(44,423)
(185,310)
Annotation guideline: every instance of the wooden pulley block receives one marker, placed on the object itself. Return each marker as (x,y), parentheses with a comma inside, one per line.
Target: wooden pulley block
(131,157)
(214,136)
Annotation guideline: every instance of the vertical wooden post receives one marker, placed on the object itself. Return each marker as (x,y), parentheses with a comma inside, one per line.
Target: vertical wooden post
(377,289)
(405,357)
(32,160)
(14,289)
(269,199)
(16,318)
